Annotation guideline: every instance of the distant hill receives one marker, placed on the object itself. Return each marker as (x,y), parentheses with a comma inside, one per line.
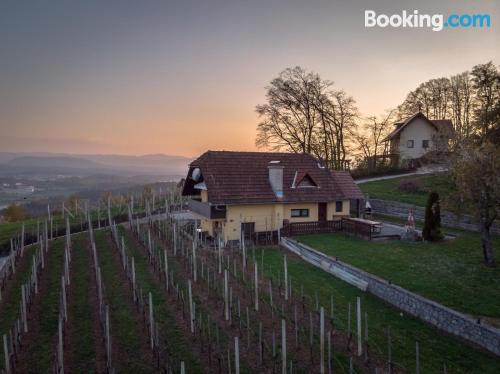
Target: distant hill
(54,162)
(40,163)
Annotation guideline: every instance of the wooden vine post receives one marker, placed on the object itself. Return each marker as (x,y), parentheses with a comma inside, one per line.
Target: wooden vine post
(283,346)
(359,332)
(256,287)
(322,340)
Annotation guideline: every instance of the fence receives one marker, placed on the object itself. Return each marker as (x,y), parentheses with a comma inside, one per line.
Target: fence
(357,228)
(346,225)
(319,227)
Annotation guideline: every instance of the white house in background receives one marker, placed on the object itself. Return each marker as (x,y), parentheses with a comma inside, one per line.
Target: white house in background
(417,136)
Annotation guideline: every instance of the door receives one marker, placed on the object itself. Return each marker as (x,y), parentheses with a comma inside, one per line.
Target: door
(322,212)
(248,229)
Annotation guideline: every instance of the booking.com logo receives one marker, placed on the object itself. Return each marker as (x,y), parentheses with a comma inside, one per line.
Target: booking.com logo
(436,22)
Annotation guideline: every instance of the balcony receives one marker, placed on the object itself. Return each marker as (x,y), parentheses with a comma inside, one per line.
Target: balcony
(206,210)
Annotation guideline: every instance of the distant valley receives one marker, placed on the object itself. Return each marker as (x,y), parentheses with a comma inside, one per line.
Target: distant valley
(33,179)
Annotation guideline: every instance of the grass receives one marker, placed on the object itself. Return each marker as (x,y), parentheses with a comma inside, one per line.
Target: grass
(10,308)
(435,348)
(171,336)
(41,352)
(125,330)
(450,272)
(388,189)
(83,355)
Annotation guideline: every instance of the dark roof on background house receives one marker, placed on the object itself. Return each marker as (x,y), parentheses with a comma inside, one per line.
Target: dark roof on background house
(344,181)
(444,126)
(243,178)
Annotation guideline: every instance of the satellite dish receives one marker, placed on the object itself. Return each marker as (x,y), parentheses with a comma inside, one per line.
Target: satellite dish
(196,174)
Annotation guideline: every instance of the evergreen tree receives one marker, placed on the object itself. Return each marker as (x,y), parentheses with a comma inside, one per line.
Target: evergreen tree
(432,223)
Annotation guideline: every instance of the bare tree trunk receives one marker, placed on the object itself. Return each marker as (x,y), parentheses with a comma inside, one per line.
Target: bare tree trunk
(486,220)
(489,259)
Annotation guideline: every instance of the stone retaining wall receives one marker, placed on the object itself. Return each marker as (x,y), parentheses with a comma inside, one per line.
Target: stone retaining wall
(438,315)
(449,219)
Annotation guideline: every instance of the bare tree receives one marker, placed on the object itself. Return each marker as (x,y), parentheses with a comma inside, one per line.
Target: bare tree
(462,104)
(486,82)
(369,138)
(476,172)
(289,117)
(338,115)
(303,115)
(431,98)
(471,100)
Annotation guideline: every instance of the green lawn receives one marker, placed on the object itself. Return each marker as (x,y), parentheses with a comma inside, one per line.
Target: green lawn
(83,355)
(125,329)
(389,189)
(41,351)
(450,272)
(435,348)
(9,309)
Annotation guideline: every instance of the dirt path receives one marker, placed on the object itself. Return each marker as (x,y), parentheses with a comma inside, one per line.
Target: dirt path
(424,170)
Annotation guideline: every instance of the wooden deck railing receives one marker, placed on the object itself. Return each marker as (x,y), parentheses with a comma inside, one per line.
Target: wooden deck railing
(346,225)
(357,228)
(319,227)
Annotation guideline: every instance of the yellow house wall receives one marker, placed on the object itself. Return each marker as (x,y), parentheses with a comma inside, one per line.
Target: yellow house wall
(265,216)
(332,214)
(269,217)
(204,196)
(207,225)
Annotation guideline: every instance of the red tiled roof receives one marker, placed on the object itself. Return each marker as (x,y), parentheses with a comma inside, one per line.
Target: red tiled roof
(346,184)
(243,178)
(442,125)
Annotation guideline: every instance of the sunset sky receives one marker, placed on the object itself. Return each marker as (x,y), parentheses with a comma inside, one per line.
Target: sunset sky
(180,77)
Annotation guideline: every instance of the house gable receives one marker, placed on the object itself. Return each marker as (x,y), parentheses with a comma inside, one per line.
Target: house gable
(303,180)
(413,138)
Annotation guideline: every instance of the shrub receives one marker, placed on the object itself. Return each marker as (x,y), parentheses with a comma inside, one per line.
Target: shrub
(14,213)
(432,223)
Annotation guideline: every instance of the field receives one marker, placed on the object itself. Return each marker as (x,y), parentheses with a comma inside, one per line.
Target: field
(389,189)
(148,297)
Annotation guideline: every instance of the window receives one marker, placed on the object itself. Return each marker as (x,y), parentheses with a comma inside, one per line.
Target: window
(425,144)
(338,206)
(409,144)
(300,213)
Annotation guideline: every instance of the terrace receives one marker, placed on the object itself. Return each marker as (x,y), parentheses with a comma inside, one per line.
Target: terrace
(207,210)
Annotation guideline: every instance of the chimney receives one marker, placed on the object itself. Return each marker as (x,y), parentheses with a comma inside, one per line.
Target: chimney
(276,178)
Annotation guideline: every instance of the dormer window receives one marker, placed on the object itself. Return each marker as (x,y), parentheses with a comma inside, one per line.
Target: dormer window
(304,181)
